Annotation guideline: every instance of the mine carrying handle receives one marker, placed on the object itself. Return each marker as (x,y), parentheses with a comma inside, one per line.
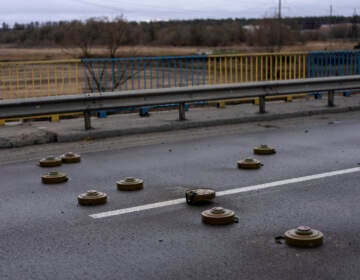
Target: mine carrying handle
(190,197)
(279,239)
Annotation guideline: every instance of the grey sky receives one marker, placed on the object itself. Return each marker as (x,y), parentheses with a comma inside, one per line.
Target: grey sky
(46,10)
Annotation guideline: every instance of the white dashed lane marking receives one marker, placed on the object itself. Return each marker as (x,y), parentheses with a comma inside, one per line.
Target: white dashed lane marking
(226,192)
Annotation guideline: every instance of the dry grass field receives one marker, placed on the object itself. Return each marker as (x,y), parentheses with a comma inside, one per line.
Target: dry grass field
(8,54)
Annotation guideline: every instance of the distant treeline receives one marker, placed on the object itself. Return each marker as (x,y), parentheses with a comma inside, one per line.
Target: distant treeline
(269,32)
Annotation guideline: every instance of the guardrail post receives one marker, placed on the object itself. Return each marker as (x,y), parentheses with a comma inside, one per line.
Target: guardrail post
(331,98)
(87,120)
(262,104)
(182,111)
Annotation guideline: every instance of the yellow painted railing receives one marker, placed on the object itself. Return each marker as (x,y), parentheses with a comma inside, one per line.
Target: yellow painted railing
(255,67)
(40,78)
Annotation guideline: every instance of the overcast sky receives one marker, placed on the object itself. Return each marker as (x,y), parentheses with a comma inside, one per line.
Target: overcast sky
(24,11)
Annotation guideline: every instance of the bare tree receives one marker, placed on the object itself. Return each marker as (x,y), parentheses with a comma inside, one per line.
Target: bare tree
(82,35)
(114,34)
(101,74)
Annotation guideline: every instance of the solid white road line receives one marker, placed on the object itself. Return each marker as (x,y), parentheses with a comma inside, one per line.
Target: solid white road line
(227,192)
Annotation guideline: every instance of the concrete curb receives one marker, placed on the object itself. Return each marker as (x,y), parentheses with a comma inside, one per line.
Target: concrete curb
(32,135)
(36,136)
(177,125)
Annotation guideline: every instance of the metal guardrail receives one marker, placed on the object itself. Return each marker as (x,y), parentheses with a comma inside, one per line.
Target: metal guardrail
(332,63)
(137,98)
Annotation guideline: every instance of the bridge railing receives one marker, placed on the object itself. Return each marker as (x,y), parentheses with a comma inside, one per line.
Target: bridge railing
(144,72)
(51,78)
(333,63)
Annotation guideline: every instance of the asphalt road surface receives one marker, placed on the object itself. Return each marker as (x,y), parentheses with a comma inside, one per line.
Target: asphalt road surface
(45,234)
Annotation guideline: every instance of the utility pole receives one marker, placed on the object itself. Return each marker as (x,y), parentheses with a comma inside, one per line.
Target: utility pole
(279,10)
(278,27)
(331,10)
(354,26)
(331,14)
